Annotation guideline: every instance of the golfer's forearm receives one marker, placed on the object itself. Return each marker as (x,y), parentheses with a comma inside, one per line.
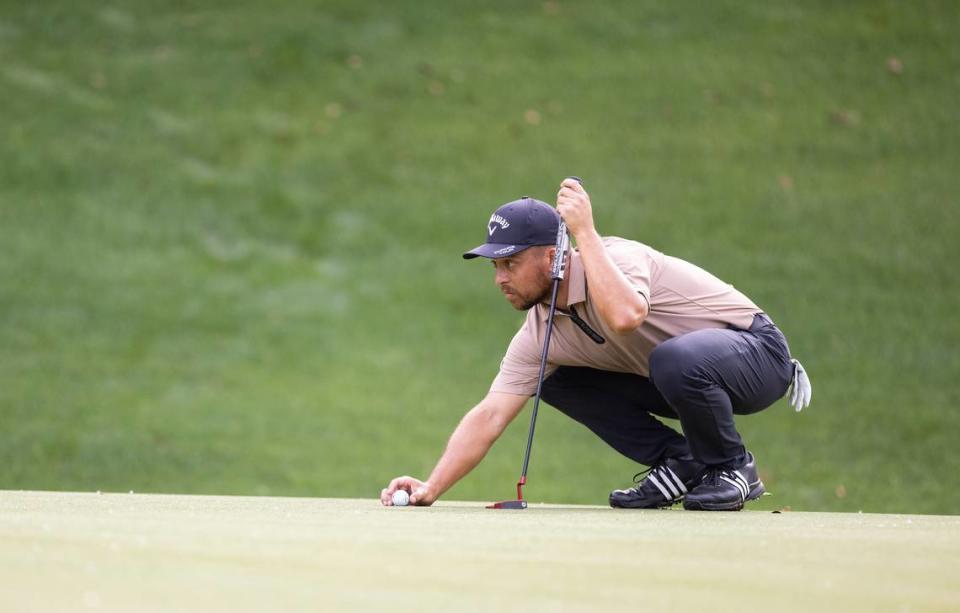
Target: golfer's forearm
(620,306)
(468,444)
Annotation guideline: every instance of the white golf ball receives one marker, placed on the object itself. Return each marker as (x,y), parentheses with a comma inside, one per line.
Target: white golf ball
(401,498)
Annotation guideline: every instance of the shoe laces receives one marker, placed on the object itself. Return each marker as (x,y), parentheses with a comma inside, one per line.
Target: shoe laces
(713,474)
(641,476)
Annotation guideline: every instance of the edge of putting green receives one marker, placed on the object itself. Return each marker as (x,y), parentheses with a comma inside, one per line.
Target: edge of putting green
(158,551)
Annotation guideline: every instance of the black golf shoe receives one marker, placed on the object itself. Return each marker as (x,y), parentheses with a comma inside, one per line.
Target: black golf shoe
(724,489)
(665,484)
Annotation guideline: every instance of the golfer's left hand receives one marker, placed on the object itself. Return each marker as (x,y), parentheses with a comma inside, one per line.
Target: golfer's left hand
(573,204)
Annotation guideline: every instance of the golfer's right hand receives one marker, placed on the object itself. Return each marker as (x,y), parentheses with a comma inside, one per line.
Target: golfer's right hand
(421,493)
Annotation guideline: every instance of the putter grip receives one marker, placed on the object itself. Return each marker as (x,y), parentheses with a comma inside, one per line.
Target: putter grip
(562,244)
(559,258)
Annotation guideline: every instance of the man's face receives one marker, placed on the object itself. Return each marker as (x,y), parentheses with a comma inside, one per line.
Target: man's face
(525,278)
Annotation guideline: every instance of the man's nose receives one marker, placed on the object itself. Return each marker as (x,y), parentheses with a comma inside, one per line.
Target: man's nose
(500,277)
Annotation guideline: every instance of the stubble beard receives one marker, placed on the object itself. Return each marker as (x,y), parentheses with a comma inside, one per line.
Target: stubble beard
(542,297)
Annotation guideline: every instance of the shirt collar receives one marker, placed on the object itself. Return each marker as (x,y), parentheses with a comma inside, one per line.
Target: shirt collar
(577,288)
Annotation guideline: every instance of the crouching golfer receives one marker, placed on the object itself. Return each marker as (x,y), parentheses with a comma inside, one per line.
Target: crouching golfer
(638,335)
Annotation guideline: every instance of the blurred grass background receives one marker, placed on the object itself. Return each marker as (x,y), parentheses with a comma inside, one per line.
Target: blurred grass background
(230,232)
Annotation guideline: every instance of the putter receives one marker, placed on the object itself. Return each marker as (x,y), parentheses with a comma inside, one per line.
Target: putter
(559,268)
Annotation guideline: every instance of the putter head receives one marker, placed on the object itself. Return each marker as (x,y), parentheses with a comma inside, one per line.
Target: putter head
(508,504)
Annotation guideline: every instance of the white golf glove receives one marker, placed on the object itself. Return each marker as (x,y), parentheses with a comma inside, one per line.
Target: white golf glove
(800,390)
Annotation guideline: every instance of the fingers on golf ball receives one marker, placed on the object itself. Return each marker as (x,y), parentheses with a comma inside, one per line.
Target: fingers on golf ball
(401,498)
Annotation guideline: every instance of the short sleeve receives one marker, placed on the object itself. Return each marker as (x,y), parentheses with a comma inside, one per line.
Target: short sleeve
(634,261)
(521,364)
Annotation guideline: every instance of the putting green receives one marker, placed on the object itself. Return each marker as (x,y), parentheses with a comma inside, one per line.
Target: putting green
(152,552)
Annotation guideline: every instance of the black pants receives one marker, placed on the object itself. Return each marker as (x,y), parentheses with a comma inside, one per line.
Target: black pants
(701,378)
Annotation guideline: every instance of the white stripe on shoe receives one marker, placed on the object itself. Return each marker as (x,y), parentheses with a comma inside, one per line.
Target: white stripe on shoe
(665,488)
(740,484)
(746,484)
(676,480)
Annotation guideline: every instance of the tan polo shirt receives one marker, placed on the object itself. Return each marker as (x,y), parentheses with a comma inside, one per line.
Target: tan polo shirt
(682,298)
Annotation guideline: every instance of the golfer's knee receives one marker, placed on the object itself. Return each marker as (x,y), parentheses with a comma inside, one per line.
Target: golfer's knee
(551,391)
(556,389)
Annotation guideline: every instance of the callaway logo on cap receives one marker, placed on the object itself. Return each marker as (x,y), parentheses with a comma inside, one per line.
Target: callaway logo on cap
(496,220)
(516,226)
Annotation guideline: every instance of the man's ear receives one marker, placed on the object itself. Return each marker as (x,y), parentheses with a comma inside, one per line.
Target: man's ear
(548,254)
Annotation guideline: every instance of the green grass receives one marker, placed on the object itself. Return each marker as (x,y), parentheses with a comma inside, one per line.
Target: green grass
(230,232)
(118,552)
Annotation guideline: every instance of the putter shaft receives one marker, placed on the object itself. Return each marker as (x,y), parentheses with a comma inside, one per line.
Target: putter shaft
(559,267)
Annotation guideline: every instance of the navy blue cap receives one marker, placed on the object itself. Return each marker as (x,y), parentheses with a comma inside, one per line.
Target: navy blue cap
(516,226)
